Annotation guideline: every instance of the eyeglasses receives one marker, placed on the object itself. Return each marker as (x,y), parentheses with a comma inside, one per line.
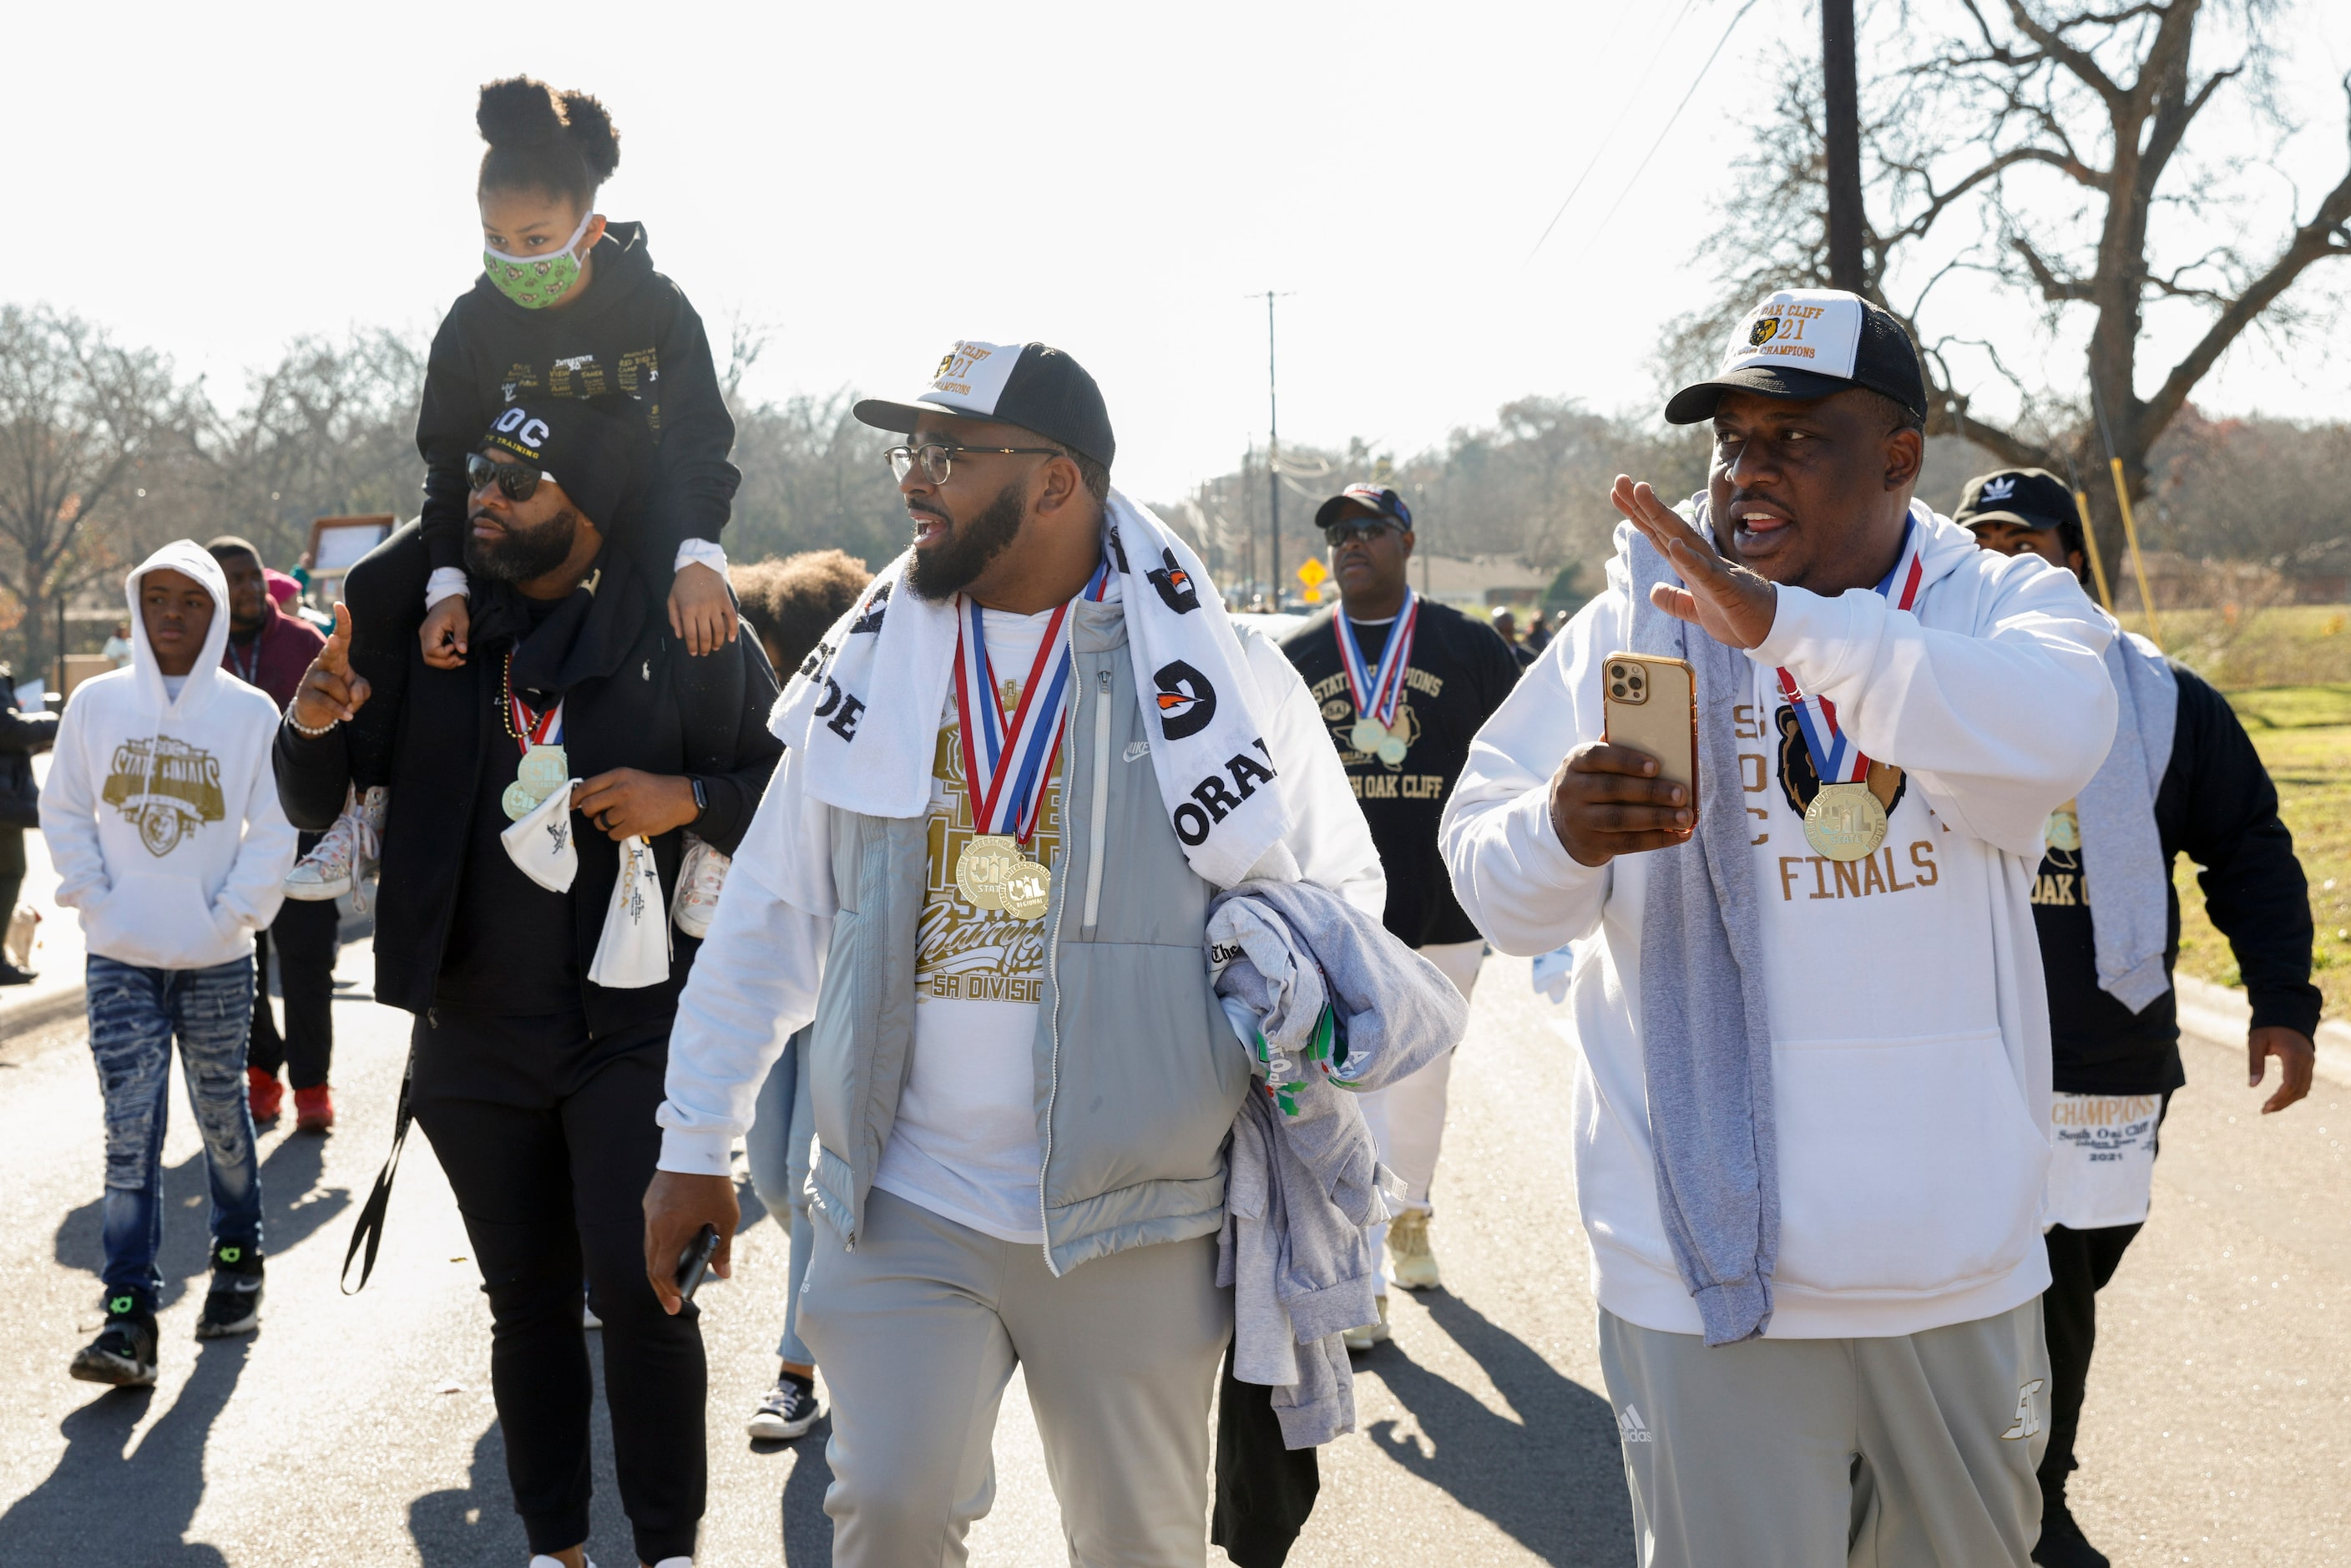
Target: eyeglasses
(938,459)
(514,481)
(1365,528)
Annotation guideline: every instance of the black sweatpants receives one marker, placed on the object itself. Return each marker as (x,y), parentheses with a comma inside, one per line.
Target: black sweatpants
(549,1141)
(2080,1264)
(303,936)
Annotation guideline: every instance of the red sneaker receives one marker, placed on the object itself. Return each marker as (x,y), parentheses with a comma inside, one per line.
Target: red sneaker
(264,1094)
(314,1109)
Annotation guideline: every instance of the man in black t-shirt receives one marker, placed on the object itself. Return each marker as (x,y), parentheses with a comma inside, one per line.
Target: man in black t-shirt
(1404,682)
(2116,1064)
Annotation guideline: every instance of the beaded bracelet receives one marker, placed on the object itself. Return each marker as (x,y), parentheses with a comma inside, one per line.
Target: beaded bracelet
(298,727)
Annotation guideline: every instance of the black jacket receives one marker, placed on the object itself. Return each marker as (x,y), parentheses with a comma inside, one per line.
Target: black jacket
(1460,672)
(623,702)
(2218,807)
(21,735)
(632,331)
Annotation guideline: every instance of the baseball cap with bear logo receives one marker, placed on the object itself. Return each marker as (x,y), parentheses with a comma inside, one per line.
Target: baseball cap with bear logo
(1807,343)
(1038,387)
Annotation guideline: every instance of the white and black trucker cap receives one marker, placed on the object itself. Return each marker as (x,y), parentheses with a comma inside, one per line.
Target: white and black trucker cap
(1808,343)
(1032,386)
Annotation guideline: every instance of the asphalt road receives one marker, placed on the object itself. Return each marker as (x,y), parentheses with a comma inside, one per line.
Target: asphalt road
(360,1429)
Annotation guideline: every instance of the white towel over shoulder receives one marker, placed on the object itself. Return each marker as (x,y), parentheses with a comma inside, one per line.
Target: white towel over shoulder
(863,711)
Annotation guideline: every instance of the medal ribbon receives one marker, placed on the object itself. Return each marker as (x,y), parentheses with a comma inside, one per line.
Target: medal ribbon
(1377,694)
(1008,758)
(1836,759)
(528,726)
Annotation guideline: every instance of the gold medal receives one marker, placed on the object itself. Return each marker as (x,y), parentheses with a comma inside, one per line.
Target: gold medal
(518,802)
(1028,890)
(1845,823)
(2063,830)
(544,771)
(1366,735)
(982,868)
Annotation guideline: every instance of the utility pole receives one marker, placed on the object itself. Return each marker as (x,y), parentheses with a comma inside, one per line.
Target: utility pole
(1844,144)
(1272,458)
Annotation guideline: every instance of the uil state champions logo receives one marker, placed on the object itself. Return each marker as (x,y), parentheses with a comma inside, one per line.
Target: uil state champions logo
(167,787)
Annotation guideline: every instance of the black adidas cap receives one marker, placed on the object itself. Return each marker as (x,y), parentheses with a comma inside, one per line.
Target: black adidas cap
(2033,496)
(1808,343)
(1032,386)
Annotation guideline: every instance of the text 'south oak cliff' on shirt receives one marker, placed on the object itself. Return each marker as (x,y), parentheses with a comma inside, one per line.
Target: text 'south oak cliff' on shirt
(1459,672)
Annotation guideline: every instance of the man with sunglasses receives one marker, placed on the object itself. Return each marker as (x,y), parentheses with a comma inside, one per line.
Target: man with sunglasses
(536,1058)
(1403,683)
(969,877)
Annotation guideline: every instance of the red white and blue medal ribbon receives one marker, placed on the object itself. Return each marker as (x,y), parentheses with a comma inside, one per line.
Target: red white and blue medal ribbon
(1377,693)
(1835,758)
(1009,758)
(534,728)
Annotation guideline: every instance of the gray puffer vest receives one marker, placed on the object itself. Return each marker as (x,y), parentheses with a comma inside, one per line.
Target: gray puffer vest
(1138,1076)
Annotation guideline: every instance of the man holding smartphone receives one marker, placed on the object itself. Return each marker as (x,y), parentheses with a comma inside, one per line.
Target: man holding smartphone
(1401,683)
(1814,1125)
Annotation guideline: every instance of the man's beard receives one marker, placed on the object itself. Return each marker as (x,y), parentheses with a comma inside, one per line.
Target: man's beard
(946,570)
(523,554)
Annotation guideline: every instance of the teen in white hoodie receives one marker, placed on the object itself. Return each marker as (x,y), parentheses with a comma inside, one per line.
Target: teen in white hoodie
(162,821)
(1873,1381)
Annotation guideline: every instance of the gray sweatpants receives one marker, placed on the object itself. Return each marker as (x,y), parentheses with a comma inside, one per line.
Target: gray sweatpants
(918,1331)
(1912,1451)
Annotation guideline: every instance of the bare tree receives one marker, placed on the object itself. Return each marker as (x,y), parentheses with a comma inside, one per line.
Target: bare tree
(79,418)
(327,431)
(2048,148)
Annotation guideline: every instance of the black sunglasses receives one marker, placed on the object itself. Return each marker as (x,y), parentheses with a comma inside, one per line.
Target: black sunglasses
(514,481)
(1346,529)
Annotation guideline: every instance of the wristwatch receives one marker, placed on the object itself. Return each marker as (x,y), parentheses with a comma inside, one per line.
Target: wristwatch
(701,798)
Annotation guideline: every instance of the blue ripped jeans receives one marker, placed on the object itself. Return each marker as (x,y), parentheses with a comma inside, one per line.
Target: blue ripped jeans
(133,1014)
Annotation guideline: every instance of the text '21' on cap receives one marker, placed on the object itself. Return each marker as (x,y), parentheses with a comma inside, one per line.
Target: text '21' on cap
(1036,388)
(1809,343)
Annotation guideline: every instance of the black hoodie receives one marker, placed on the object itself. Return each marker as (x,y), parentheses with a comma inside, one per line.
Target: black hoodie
(630,331)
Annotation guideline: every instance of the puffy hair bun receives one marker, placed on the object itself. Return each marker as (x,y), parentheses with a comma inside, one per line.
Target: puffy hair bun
(519,112)
(592,133)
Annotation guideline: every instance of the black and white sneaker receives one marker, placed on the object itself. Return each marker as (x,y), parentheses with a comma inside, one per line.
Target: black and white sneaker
(788,1412)
(123,1353)
(233,1305)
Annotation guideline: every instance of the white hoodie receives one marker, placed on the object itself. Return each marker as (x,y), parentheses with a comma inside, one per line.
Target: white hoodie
(162,813)
(1909,1025)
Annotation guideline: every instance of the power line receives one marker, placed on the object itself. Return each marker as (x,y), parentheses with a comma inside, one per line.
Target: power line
(1611,136)
(1602,226)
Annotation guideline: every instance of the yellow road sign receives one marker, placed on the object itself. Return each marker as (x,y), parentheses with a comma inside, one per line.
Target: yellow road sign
(1313,574)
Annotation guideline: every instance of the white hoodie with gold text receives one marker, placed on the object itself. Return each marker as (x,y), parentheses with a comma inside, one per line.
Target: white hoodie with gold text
(162,812)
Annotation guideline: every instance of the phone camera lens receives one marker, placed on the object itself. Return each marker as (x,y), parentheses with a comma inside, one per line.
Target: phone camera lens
(1616,672)
(1618,688)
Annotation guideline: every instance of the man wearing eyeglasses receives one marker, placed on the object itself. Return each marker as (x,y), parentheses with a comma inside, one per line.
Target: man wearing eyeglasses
(1403,683)
(538,1052)
(972,876)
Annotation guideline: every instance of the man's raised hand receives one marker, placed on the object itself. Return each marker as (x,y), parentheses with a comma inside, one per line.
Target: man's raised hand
(1729,604)
(331,691)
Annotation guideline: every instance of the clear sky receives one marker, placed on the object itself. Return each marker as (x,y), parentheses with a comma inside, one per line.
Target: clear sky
(875,182)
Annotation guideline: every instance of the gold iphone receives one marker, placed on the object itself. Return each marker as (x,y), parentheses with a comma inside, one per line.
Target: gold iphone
(1651,705)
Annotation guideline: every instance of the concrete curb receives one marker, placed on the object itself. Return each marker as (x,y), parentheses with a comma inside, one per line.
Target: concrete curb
(2220,1014)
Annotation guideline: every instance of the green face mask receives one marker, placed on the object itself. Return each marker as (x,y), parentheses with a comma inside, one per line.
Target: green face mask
(535,282)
